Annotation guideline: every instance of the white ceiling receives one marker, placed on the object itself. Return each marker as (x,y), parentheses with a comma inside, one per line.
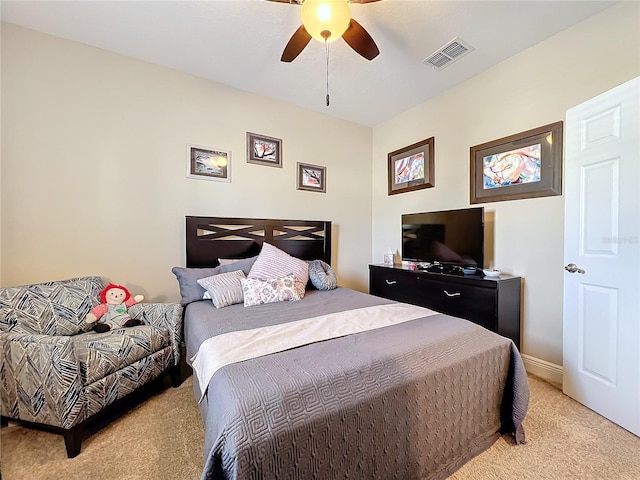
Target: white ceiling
(239,43)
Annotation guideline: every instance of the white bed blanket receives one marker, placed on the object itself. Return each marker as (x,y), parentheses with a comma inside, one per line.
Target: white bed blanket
(231,347)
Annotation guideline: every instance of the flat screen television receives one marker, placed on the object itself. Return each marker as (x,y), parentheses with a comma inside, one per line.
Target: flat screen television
(454,237)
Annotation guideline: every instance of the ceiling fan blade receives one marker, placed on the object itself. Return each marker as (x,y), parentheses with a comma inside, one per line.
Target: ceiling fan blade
(360,40)
(296,44)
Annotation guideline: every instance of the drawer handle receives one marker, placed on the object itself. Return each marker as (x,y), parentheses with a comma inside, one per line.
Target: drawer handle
(391,282)
(455,294)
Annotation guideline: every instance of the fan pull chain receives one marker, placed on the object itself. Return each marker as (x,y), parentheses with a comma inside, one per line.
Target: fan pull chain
(326,48)
(326,34)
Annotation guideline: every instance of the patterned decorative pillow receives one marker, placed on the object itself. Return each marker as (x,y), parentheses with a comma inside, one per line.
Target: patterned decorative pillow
(225,288)
(322,276)
(274,263)
(257,292)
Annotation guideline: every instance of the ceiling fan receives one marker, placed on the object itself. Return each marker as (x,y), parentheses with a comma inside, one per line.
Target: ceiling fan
(328,20)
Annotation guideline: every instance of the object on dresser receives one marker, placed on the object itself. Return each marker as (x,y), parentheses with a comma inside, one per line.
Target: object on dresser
(491,272)
(408,265)
(449,237)
(449,269)
(389,258)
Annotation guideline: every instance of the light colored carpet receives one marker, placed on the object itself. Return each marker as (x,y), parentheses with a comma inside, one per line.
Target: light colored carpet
(162,439)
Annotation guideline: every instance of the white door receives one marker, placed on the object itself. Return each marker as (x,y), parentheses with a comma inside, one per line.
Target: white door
(601,339)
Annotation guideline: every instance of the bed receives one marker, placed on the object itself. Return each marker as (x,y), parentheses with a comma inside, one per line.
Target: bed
(414,398)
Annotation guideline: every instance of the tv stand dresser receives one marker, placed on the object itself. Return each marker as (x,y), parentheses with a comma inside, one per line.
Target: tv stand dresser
(492,302)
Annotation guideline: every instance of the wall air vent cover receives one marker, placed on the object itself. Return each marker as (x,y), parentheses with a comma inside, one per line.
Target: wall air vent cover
(452,51)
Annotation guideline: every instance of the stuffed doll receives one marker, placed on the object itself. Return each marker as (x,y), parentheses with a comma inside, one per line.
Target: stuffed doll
(112,312)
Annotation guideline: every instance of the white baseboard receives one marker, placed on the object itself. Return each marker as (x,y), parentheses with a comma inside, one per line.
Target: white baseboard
(543,369)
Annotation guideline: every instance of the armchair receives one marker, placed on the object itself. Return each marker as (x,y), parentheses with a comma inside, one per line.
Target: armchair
(56,374)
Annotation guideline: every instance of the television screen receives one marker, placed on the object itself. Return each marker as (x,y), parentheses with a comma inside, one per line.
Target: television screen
(450,236)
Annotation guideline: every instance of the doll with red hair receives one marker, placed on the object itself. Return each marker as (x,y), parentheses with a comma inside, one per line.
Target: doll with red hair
(112,312)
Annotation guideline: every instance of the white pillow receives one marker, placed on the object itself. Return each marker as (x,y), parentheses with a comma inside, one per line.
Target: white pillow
(228,261)
(274,263)
(257,292)
(225,288)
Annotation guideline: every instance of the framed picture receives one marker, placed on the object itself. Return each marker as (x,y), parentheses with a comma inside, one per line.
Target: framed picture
(411,168)
(264,150)
(206,163)
(312,178)
(524,165)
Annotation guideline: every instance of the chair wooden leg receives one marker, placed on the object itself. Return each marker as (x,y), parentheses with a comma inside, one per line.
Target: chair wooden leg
(180,372)
(73,440)
(177,376)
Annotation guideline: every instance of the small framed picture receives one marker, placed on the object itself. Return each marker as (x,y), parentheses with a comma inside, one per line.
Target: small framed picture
(206,163)
(412,168)
(263,150)
(312,178)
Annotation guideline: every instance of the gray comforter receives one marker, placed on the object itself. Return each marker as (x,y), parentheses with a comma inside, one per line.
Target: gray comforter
(411,401)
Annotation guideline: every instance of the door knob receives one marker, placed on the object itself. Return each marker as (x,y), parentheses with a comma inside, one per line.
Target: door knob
(573,268)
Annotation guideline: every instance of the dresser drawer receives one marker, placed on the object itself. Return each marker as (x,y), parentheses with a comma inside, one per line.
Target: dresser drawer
(394,285)
(474,303)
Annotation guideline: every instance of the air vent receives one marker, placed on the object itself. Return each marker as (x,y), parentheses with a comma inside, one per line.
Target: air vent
(452,51)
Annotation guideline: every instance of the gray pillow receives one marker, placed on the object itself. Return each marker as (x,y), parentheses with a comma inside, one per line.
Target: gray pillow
(224,288)
(322,276)
(188,278)
(244,264)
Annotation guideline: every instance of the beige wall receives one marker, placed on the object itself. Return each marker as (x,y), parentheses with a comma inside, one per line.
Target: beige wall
(531,89)
(93,166)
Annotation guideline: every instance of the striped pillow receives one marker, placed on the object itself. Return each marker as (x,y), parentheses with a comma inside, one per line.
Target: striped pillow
(274,263)
(225,288)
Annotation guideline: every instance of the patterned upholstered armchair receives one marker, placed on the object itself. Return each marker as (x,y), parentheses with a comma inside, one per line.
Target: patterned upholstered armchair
(54,373)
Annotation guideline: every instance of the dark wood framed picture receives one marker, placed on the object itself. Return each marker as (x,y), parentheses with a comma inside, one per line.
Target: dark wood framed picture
(524,165)
(263,150)
(412,168)
(312,178)
(206,163)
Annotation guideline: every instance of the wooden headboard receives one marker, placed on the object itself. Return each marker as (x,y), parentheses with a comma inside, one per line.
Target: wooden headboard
(210,238)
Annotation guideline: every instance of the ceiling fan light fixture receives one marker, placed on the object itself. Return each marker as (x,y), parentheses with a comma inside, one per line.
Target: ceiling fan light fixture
(326,20)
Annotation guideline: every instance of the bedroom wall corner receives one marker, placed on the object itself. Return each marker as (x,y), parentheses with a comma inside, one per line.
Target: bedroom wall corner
(545,370)
(94,166)
(531,89)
